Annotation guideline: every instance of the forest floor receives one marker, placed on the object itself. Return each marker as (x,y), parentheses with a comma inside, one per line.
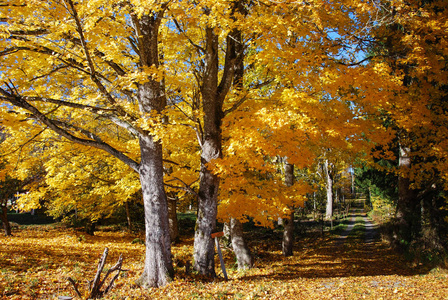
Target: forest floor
(351,264)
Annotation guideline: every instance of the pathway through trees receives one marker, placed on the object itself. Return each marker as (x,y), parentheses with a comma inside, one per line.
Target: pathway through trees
(36,261)
(366,227)
(356,264)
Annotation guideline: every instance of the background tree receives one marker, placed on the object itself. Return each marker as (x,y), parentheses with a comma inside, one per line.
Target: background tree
(9,187)
(412,44)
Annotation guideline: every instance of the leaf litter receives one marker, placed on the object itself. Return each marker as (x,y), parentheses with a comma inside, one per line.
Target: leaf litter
(36,262)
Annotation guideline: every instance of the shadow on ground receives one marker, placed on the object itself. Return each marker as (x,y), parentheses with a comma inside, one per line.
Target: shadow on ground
(356,252)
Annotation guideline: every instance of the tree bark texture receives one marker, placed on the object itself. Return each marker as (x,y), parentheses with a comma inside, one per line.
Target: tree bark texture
(288,223)
(288,235)
(158,263)
(151,96)
(211,150)
(5,221)
(242,252)
(408,214)
(128,215)
(329,188)
(172,219)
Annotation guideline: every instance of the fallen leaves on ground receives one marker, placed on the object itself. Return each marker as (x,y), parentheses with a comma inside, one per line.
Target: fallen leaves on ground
(36,262)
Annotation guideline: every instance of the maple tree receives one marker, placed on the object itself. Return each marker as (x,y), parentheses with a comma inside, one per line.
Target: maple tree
(413,43)
(76,73)
(323,269)
(201,97)
(293,84)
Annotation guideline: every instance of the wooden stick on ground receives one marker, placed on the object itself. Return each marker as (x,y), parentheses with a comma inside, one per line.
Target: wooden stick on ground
(96,284)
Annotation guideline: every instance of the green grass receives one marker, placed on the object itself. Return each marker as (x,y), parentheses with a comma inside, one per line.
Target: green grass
(339,228)
(358,230)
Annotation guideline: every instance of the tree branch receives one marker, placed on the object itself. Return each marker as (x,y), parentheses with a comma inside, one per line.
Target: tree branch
(186,187)
(21,102)
(201,50)
(91,66)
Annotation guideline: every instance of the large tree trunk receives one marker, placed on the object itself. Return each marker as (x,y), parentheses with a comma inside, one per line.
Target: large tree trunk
(204,247)
(329,188)
(242,252)
(158,263)
(213,95)
(151,96)
(5,221)
(288,223)
(408,214)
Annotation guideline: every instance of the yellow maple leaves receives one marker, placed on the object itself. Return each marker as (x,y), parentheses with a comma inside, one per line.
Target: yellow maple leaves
(304,87)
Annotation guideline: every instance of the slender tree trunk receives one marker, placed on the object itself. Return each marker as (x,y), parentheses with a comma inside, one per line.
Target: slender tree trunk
(242,252)
(5,221)
(288,223)
(128,215)
(172,218)
(240,248)
(329,187)
(408,214)
(226,230)
(352,176)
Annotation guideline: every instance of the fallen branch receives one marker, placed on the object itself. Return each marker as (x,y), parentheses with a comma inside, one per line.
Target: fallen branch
(95,285)
(75,286)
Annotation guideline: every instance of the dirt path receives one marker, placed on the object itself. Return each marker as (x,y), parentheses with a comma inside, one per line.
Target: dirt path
(370,233)
(351,224)
(370,229)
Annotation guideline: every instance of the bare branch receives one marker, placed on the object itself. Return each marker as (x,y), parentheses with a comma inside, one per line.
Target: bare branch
(75,287)
(24,144)
(96,281)
(244,98)
(116,267)
(186,187)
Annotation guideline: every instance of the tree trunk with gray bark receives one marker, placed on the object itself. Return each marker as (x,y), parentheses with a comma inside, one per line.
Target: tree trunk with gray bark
(213,92)
(211,149)
(158,268)
(172,219)
(408,214)
(329,188)
(242,252)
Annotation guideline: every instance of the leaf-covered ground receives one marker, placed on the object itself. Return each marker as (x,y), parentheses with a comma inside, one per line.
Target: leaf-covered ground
(36,261)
